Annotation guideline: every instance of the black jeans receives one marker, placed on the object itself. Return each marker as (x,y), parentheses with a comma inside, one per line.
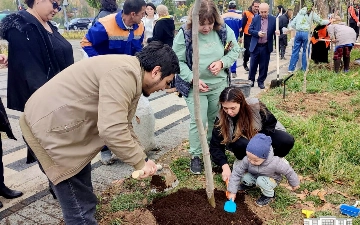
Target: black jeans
(76,197)
(282,143)
(247,40)
(1,166)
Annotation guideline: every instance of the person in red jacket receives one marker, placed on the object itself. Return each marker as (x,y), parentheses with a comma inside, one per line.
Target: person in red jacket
(353,13)
(246,21)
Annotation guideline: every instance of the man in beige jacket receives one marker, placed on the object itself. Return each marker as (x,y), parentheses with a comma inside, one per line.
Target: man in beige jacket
(86,106)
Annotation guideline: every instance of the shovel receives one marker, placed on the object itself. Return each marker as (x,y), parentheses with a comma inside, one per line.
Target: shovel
(170,180)
(230,205)
(277,82)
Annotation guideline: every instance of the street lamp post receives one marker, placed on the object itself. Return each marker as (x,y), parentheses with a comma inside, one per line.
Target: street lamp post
(65,4)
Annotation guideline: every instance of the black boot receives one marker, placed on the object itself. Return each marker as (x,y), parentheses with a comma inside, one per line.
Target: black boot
(1,205)
(337,64)
(8,193)
(246,67)
(346,64)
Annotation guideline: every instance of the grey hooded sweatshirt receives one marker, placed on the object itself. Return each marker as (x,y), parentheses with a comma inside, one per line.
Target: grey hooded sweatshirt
(273,167)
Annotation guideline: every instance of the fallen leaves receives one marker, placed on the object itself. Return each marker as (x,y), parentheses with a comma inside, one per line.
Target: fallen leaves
(320,193)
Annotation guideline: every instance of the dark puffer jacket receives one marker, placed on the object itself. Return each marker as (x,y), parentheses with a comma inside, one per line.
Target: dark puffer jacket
(32,60)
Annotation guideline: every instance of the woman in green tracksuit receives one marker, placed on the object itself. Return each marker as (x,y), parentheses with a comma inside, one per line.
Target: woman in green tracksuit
(212,62)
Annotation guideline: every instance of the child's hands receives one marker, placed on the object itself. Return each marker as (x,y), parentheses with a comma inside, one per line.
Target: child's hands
(3,59)
(295,188)
(231,196)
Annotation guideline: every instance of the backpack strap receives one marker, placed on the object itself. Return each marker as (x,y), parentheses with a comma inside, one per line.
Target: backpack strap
(188,45)
(222,32)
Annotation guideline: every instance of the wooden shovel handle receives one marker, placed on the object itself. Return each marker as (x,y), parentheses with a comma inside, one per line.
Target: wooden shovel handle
(137,173)
(227,184)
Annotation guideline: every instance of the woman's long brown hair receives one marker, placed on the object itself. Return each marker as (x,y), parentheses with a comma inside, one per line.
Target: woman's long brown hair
(243,126)
(208,11)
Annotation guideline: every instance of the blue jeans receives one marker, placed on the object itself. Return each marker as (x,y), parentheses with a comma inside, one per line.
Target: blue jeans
(76,198)
(301,39)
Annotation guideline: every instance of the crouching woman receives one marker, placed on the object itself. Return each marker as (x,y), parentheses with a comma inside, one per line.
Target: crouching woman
(239,120)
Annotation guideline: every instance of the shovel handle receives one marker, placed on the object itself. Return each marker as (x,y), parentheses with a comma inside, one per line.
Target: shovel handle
(137,173)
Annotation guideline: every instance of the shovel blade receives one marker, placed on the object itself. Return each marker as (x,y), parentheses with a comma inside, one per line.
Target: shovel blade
(230,206)
(171,180)
(276,83)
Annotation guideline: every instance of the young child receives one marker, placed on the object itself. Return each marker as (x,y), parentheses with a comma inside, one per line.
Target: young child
(261,168)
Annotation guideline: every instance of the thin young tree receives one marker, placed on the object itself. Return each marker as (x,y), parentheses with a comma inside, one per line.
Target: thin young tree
(309,47)
(199,124)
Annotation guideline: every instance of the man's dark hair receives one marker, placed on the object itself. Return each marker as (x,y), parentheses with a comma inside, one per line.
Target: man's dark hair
(109,5)
(158,54)
(255,1)
(133,6)
(30,3)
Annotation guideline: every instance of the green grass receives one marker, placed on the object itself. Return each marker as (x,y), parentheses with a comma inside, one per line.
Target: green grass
(127,201)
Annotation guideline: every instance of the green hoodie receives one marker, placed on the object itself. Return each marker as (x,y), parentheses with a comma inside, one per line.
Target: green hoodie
(302,20)
(210,50)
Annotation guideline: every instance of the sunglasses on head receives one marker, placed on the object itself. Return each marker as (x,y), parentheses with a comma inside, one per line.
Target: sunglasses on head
(56,6)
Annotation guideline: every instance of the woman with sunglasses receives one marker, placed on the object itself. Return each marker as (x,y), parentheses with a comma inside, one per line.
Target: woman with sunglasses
(37,52)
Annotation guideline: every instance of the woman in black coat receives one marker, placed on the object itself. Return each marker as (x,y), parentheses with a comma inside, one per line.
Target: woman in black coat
(5,127)
(238,121)
(37,52)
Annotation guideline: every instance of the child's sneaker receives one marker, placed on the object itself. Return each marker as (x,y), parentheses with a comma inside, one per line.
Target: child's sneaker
(264,200)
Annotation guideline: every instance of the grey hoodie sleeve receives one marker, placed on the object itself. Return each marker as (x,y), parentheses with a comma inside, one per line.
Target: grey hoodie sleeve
(286,170)
(236,175)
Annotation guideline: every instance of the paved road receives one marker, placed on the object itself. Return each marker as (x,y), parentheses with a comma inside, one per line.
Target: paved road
(37,205)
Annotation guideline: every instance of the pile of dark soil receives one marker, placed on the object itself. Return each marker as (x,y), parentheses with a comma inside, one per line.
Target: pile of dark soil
(188,206)
(158,183)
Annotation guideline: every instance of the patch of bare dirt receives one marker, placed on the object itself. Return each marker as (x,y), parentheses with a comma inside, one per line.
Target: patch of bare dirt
(136,217)
(307,105)
(264,213)
(188,206)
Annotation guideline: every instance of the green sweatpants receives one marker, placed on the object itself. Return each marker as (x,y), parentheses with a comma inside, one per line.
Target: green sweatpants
(209,109)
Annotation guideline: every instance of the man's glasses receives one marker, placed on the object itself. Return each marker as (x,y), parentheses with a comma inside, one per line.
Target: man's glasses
(56,6)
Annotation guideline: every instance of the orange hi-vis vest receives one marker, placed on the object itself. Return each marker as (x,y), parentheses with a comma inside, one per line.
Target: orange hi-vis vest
(322,34)
(249,15)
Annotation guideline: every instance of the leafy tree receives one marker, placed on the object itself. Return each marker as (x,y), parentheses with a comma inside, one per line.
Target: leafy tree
(8,4)
(94,3)
(171,6)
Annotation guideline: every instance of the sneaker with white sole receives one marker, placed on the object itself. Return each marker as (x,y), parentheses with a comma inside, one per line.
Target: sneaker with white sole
(264,200)
(195,165)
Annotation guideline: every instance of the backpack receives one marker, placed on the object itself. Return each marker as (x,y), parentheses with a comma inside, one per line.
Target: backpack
(182,86)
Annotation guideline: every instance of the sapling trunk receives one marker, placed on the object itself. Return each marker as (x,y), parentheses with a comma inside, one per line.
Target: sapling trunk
(309,47)
(198,120)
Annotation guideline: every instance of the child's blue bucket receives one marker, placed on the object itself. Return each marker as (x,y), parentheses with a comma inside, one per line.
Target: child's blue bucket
(230,206)
(349,210)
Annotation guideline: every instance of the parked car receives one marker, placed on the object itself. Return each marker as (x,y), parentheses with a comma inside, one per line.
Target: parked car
(79,24)
(183,19)
(5,13)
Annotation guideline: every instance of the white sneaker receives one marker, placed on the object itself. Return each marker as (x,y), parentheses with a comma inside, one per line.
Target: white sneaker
(233,75)
(290,72)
